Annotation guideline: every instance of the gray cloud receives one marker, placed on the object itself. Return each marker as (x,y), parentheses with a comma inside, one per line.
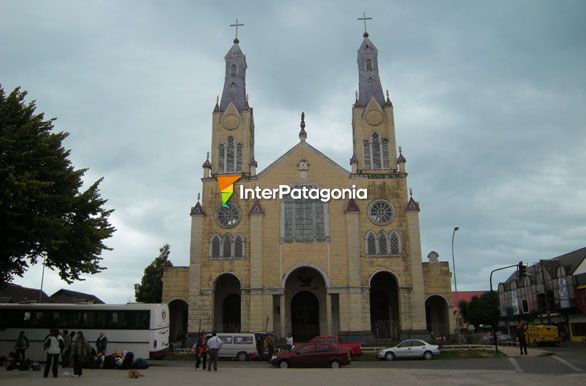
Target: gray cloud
(488,105)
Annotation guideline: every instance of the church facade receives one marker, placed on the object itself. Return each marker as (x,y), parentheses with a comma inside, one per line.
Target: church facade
(350,266)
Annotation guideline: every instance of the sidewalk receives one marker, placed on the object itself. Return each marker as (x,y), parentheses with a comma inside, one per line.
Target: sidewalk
(513,351)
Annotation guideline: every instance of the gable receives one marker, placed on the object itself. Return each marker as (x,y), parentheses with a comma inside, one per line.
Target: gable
(319,163)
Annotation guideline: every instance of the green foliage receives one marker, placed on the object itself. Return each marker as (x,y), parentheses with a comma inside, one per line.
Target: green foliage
(43,211)
(150,289)
(483,309)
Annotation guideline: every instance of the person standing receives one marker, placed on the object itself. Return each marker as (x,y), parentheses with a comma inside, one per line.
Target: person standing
(22,344)
(214,345)
(522,339)
(66,349)
(80,350)
(289,342)
(201,352)
(101,343)
(53,345)
(270,345)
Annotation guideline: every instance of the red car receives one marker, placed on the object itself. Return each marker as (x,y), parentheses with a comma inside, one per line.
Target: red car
(312,355)
(354,348)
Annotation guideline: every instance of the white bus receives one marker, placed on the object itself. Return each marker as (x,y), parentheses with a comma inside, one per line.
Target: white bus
(137,327)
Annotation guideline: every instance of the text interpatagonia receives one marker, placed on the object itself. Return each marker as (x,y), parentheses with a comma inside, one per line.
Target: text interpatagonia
(302,192)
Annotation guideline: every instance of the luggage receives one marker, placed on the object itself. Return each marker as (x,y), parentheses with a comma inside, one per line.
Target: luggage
(108,362)
(140,363)
(128,360)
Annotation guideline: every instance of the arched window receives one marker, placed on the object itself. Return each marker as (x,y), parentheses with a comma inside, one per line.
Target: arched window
(230,156)
(303,220)
(227,245)
(239,157)
(233,70)
(222,158)
(385,152)
(376,152)
(368,65)
(238,246)
(395,243)
(367,155)
(382,244)
(215,246)
(370,244)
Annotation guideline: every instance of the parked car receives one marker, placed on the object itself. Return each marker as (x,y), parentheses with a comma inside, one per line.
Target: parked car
(354,348)
(411,348)
(312,355)
(241,346)
(505,338)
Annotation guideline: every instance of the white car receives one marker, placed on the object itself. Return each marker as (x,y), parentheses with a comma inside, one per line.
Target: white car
(410,348)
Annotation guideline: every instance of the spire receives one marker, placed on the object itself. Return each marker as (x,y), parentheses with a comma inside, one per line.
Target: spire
(235,79)
(302,132)
(368,79)
(412,205)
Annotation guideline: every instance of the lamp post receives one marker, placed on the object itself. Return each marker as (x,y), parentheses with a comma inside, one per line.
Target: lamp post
(456,288)
(42,279)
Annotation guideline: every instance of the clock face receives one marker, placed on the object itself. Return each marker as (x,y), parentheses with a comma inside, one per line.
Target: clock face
(228,217)
(380,212)
(374,117)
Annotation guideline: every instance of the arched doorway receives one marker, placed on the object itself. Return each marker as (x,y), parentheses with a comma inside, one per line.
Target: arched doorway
(177,320)
(384,306)
(437,316)
(227,303)
(305,304)
(304,316)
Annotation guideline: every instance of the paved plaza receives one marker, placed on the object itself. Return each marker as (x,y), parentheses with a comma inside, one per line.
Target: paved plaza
(547,370)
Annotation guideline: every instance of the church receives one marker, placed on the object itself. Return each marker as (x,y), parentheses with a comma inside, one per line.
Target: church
(349,266)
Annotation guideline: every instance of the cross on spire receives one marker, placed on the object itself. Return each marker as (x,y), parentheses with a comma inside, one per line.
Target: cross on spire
(236,25)
(364,18)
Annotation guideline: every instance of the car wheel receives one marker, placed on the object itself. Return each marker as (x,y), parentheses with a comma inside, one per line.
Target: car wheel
(427,355)
(335,365)
(242,356)
(284,365)
(389,356)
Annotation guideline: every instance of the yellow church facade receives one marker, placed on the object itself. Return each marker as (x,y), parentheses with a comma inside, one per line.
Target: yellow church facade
(349,266)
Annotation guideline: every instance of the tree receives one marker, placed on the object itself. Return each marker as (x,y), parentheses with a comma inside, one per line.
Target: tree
(150,289)
(43,211)
(483,309)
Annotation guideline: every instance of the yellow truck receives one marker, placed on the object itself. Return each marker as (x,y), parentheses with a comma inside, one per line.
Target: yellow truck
(540,334)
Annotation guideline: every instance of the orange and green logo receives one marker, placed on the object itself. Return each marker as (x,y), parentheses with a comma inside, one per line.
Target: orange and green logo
(226,184)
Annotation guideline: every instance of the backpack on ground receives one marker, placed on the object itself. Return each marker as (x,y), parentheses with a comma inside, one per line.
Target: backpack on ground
(140,363)
(127,362)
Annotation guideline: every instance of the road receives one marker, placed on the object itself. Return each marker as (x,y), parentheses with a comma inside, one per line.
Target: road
(565,360)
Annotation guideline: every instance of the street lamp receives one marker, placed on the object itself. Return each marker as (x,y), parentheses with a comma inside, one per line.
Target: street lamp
(456,288)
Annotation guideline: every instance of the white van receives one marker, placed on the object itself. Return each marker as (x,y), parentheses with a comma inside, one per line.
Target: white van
(241,346)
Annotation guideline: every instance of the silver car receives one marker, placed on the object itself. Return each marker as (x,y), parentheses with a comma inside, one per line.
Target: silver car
(410,348)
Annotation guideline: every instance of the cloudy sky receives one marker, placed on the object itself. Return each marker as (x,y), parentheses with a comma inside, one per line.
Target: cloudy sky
(489,105)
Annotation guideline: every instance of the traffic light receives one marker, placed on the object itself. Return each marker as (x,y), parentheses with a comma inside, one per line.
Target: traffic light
(521,270)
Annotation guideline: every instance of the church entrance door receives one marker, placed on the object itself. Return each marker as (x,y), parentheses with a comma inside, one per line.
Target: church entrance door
(304,316)
(227,303)
(384,306)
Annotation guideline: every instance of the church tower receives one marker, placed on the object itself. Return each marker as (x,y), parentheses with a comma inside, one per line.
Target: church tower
(373,123)
(232,122)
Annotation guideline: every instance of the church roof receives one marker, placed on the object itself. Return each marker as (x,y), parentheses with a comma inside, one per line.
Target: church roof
(295,148)
(197,210)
